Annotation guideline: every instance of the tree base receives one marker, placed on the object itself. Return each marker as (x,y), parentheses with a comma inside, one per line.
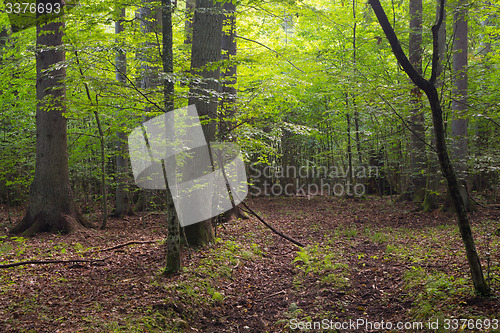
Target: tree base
(199,234)
(431,202)
(54,223)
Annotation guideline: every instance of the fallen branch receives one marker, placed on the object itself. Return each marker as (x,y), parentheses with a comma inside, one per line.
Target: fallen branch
(275,294)
(127,244)
(44,262)
(272,229)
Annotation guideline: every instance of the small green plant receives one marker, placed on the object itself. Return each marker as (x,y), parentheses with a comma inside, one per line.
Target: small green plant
(350,232)
(256,249)
(379,237)
(436,294)
(325,262)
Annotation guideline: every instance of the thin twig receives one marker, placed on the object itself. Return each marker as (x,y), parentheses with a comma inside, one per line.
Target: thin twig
(127,244)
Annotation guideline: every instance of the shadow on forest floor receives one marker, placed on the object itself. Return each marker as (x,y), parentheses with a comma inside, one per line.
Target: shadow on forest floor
(368,262)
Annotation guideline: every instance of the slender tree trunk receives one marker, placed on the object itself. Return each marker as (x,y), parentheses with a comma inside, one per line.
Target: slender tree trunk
(173,263)
(349,149)
(428,86)
(122,199)
(459,151)
(229,78)
(206,50)
(51,206)
(433,178)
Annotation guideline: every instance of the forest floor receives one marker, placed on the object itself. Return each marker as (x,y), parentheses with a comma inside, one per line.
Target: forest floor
(370,264)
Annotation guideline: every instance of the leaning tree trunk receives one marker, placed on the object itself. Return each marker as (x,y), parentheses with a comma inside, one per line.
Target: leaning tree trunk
(51,206)
(432,183)
(429,87)
(206,51)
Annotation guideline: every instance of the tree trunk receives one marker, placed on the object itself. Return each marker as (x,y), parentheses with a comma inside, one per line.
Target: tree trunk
(432,186)
(206,50)
(173,263)
(349,148)
(428,86)
(122,199)
(459,151)
(51,206)
(417,148)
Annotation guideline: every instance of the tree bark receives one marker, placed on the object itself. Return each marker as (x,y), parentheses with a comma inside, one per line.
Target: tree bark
(428,86)
(205,53)
(51,206)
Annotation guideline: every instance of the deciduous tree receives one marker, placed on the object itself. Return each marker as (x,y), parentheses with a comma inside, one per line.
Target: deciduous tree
(429,87)
(51,206)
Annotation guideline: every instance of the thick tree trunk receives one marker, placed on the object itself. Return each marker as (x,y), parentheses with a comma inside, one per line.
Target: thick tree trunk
(428,86)
(206,50)
(51,206)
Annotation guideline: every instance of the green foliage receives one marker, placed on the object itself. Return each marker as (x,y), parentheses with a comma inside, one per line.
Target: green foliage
(297,83)
(324,262)
(437,295)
